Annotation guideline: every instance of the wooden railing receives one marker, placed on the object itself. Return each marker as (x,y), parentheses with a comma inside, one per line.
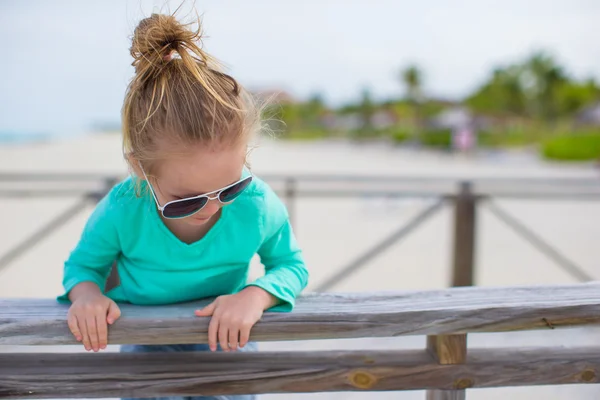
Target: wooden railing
(447,314)
(466,196)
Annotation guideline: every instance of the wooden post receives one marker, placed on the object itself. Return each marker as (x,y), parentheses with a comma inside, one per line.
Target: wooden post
(452,349)
(464,236)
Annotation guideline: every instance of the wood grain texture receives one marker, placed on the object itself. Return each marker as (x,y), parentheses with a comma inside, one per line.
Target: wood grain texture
(318,316)
(447,350)
(90,375)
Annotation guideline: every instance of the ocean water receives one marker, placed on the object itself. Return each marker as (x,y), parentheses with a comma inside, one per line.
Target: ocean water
(20,137)
(8,138)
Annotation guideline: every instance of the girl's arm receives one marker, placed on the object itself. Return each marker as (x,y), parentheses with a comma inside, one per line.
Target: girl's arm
(233,316)
(85,273)
(93,256)
(285,270)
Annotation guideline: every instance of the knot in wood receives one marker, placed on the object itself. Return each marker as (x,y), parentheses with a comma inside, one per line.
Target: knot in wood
(362,380)
(464,383)
(588,375)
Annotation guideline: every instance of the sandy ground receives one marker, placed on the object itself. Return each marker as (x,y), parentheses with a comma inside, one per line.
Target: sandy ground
(335,231)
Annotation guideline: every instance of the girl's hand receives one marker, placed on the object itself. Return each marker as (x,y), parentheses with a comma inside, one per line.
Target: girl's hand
(234,315)
(88,318)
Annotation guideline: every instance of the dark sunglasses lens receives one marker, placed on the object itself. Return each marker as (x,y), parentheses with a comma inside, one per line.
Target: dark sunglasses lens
(184,208)
(233,192)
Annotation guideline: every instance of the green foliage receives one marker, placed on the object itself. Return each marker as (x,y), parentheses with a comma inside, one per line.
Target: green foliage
(501,95)
(400,135)
(508,138)
(412,78)
(300,135)
(527,102)
(537,87)
(311,111)
(431,108)
(574,96)
(365,134)
(290,114)
(441,138)
(573,147)
(297,120)
(366,110)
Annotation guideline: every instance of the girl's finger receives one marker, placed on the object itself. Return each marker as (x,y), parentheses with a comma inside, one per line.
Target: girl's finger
(92,331)
(102,331)
(213,328)
(234,337)
(223,337)
(207,311)
(74,328)
(113,313)
(244,336)
(84,334)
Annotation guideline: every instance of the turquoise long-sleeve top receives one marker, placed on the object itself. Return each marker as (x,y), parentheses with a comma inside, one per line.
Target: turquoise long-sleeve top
(155,267)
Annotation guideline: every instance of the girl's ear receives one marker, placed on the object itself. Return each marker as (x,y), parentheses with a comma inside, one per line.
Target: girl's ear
(135,166)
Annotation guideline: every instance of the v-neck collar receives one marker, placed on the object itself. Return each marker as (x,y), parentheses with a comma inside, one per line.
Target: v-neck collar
(204,239)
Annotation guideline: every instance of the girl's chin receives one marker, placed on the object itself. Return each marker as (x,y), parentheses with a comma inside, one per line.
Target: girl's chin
(197,220)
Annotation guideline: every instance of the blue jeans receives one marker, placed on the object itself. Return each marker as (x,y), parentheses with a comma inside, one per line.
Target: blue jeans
(186,347)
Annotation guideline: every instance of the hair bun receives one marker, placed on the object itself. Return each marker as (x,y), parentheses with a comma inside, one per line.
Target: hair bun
(157,37)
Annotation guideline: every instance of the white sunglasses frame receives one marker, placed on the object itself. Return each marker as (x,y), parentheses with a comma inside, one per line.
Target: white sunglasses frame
(207,195)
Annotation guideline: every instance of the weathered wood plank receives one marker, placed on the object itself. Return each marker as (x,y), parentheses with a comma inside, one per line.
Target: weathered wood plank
(91,375)
(448,311)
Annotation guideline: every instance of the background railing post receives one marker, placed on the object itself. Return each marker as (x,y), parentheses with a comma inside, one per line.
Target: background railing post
(464,236)
(452,349)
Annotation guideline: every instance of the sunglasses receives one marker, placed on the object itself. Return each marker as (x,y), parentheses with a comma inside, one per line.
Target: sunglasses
(182,208)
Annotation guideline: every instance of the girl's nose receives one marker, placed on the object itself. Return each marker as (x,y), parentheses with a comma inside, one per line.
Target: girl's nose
(212,206)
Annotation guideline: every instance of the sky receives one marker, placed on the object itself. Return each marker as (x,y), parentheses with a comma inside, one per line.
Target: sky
(66,64)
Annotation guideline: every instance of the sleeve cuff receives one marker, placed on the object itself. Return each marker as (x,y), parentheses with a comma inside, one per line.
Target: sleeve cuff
(70,283)
(286,300)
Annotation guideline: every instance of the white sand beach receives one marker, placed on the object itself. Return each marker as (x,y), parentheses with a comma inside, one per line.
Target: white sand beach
(335,231)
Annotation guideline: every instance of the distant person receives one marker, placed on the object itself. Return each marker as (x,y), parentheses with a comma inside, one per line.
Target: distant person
(464,139)
(187,223)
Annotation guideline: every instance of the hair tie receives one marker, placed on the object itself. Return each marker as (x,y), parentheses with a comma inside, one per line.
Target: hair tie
(169,56)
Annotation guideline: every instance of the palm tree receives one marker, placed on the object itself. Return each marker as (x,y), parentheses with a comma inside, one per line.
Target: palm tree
(366,109)
(412,78)
(511,96)
(312,111)
(546,77)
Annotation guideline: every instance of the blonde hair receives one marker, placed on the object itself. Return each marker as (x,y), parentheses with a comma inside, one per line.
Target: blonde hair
(179,95)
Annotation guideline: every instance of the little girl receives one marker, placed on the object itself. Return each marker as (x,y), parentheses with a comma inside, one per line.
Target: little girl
(188,222)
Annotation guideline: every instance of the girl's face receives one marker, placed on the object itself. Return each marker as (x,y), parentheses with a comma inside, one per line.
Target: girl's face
(202,170)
